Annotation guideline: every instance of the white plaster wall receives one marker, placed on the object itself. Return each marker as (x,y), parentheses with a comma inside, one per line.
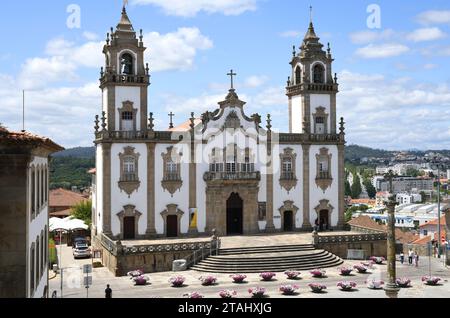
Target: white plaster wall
(36,227)
(105,101)
(99,192)
(120,198)
(297,115)
(132,94)
(281,195)
(316,193)
(201,196)
(320,100)
(163,198)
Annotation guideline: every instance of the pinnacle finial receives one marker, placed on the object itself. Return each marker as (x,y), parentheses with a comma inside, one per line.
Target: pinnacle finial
(269,122)
(310,14)
(125,3)
(151,124)
(294,52)
(192,121)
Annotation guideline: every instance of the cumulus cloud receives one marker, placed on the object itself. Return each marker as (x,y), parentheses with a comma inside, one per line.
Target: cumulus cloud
(365,37)
(375,51)
(434,17)
(90,36)
(193,7)
(255,81)
(175,50)
(290,34)
(426,34)
(394,114)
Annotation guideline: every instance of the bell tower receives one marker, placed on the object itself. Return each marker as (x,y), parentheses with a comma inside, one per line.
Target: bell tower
(311,88)
(125,79)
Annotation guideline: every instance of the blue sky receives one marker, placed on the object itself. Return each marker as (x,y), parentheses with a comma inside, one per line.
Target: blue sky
(394,81)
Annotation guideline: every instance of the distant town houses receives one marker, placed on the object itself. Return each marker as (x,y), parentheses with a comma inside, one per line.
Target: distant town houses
(62,200)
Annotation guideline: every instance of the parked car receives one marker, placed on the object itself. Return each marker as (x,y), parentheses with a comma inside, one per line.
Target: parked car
(82,250)
(79,240)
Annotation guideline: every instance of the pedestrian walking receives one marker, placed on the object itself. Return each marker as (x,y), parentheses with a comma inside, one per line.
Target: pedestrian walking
(402,258)
(410,257)
(108,292)
(416,257)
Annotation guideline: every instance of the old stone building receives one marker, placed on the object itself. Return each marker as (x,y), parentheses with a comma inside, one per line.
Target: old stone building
(24,176)
(224,170)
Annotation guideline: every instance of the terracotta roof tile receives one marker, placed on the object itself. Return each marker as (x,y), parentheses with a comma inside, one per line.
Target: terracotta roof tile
(366,222)
(62,197)
(435,222)
(26,138)
(63,213)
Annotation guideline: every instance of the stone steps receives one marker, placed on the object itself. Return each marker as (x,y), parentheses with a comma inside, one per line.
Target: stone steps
(268,258)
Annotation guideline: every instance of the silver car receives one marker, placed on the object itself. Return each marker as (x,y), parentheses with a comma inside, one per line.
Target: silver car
(81,250)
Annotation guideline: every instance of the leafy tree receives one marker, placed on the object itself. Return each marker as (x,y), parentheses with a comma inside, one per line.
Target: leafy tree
(412,172)
(356,187)
(348,215)
(371,191)
(83,211)
(348,188)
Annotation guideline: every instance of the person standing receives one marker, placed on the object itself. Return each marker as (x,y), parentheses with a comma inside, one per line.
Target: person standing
(416,258)
(108,292)
(402,258)
(410,257)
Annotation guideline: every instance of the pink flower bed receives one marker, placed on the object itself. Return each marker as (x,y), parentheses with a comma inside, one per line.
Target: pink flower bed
(346,286)
(238,278)
(374,284)
(177,281)
(345,271)
(317,288)
(318,273)
(257,292)
(403,282)
(208,280)
(431,280)
(292,274)
(194,295)
(289,289)
(378,259)
(228,293)
(267,276)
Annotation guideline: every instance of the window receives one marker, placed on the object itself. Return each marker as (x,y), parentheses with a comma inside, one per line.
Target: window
(298,75)
(247,166)
(231,162)
(42,185)
(33,191)
(320,121)
(171,170)
(38,190)
(129,173)
(38,261)
(129,168)
(318,72)
(323,177)
(127,116)
(288,179)
(42,254)
(32,269)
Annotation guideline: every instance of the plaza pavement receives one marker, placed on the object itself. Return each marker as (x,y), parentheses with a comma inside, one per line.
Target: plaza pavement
(159,286)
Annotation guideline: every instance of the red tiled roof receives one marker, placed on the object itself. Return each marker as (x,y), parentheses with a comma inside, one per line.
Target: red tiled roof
(363,201)
(366,222)
(426,239)
(26,138)
(64,198)
(92,171)
(63,213)
(435,222)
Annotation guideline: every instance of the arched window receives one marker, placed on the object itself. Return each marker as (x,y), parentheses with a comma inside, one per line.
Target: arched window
(33,191)
(298,75)
(318,72)
(171,170)
(126,64)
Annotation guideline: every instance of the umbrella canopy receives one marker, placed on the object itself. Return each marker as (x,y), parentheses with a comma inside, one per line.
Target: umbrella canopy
(67,224)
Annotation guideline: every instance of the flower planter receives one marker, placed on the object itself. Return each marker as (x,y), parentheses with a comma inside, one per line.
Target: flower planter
(346,286)
(238,278)
(208,280)
(431,281)
(374,284)
(378,259)
(292,274)
(177,281)
(257,292)
(345,271)
(194,295)
(318,273)
(135,273)
(267,276)
(227,294)
(360,269)
(141,280)
(403,282)
(289,290)
(317,288)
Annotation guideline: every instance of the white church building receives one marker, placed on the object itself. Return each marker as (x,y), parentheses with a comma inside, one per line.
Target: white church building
(226,170)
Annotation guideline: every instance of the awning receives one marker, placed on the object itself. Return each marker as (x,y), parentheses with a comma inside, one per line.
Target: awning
(67,224)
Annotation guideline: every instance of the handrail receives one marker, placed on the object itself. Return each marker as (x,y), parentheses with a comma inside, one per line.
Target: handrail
(204,252)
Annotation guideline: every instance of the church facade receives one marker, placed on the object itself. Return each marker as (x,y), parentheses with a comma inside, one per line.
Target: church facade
(226,170)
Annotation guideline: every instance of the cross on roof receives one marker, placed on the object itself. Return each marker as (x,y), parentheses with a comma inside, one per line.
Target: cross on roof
(231,74)
(171,115)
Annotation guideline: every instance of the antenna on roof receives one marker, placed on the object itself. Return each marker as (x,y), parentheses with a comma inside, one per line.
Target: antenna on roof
(23,110)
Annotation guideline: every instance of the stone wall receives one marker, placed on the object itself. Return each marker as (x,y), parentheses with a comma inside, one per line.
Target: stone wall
(371,244)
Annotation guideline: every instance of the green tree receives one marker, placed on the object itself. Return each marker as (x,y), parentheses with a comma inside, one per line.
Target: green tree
(348,215)
(371,191)
(356,187)
(83,211)
(348,188)
(412,172)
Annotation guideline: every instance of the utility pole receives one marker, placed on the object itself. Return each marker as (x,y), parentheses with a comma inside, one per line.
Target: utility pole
(391,288)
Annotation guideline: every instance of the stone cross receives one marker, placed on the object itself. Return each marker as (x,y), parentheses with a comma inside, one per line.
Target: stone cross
(231,74)
(171,115)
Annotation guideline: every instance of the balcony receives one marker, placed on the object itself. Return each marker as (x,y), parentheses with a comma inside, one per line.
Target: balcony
(287,176)
(324,175)
(324,180)
(125,79)
(310,87)
(231,176)
(129,177)
(134,135)
(172,177)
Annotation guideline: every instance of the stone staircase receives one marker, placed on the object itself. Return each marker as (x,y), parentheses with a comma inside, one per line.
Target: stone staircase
(268,258)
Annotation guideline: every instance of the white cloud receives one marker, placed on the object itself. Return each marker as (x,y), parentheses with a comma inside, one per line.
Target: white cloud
(176,50)
(426,34)
(90,36)
(191,8)
(394,114)
(365,37)
(290,34)
(373,51)
(434,17)
(256,81)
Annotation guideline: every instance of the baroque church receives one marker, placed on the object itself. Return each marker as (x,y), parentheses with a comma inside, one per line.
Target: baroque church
(225,171)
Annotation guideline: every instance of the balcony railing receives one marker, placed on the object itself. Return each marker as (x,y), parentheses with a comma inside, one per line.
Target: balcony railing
(323,176)
(172,177)
(287,176)
(134,134)
(295,89)
(211,176)
(123,79)
(129,177)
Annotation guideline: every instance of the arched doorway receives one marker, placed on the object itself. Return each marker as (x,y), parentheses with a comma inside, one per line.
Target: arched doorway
(324,224)
(288,221)
(235,208)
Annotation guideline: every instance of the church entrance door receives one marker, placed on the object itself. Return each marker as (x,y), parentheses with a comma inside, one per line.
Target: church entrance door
(172,226)
(323,220)
(235,208)
(288,225)
(128,228)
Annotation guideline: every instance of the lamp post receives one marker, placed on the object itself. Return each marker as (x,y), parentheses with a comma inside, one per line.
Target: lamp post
(391,288)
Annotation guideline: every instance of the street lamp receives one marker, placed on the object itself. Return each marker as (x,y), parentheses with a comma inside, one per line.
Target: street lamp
(391,288)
